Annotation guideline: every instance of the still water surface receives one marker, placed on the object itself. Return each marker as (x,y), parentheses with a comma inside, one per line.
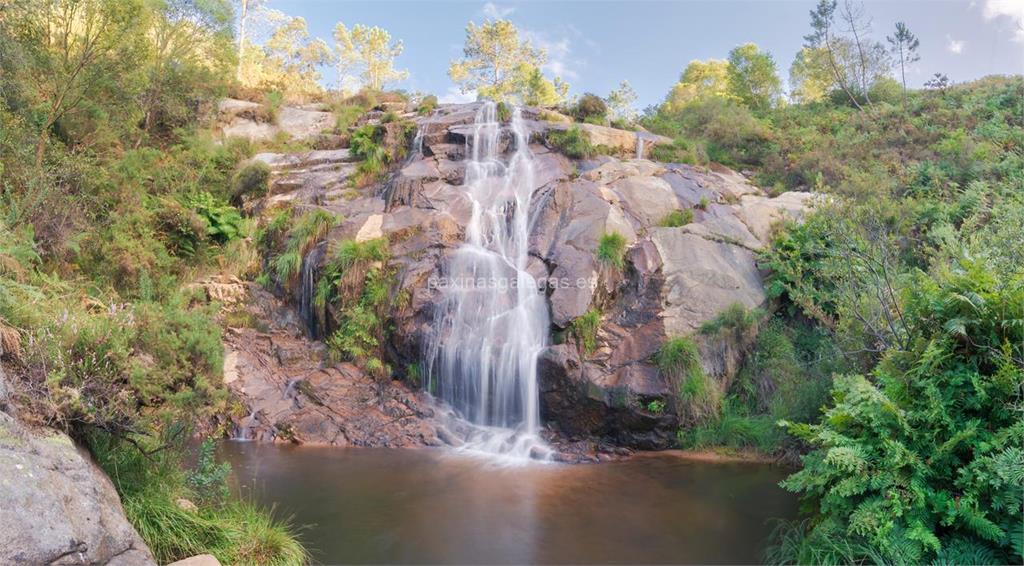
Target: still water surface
(379,506)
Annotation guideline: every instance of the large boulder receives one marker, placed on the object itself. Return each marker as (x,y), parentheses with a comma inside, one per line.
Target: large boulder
(56,506)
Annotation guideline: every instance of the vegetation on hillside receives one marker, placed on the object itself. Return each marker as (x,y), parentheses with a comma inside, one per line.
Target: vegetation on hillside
(113,200)
(896,357)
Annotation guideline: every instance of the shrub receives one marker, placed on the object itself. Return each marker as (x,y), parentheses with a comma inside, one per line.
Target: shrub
(681,150)
(223,221)
(272,102)
(504,112)
(921,460)
(252,180)
(677,218)
(427,105)
(703,204)
(572,142)
(584,329)
(591,108)
(611,250)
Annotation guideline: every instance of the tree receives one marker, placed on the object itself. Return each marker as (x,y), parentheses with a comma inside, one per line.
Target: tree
(854,62)
(288,60)
(810,78)
(939,81)
(538,90)
(620,103)
(370,52)
(190,42)
(243,18)
(700,80)
(77,51)
(498,65)
(823,37)
(903,45)
(753,77)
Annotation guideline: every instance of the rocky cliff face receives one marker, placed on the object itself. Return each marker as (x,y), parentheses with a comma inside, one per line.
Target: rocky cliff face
(674,278)
(56,506)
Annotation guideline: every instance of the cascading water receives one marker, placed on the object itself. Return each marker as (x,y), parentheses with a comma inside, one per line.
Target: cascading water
(492,322)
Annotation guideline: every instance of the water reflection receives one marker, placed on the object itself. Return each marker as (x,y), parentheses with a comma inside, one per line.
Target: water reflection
(430,507)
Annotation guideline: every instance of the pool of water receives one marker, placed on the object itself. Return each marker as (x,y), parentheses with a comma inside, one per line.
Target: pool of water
(380,506)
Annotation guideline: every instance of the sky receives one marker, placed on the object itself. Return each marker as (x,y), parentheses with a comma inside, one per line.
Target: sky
(594,45)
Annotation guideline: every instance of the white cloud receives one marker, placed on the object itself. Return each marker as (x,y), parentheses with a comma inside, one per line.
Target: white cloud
(456,96)
(955,46)
(560,61)
(492,11)
(1009,9)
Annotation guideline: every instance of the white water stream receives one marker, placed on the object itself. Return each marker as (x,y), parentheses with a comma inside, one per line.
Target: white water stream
(492,322)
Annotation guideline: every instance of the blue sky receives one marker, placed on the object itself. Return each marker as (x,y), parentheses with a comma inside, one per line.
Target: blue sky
(595,44)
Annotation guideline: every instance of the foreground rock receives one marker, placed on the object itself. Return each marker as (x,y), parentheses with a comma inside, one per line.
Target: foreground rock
(56,506)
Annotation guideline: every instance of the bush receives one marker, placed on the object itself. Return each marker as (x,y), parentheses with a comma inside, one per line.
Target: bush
(677,218)
(611,250)
(591,108)
(223,221)
(572,142)
(584,329)
(252,180)
(427,105)
(923,457)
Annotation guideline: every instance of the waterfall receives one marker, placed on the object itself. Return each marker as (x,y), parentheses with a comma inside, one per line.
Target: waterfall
(639,146)
(492,321)
(307,290)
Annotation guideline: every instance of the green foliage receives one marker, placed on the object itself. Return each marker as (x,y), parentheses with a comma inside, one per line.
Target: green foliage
(572,142)
(208,479)
(590,108)
(923,456)
(308,230)
(677,218)
(697,395)
(703,204)
(252,180)
(367,144)
(358,282)
(736,318)
(611,250)
(681,150)
(657,406)
(223,221)
(584,329)
(753,78)
(427,105)
(236,532)
(504,112)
